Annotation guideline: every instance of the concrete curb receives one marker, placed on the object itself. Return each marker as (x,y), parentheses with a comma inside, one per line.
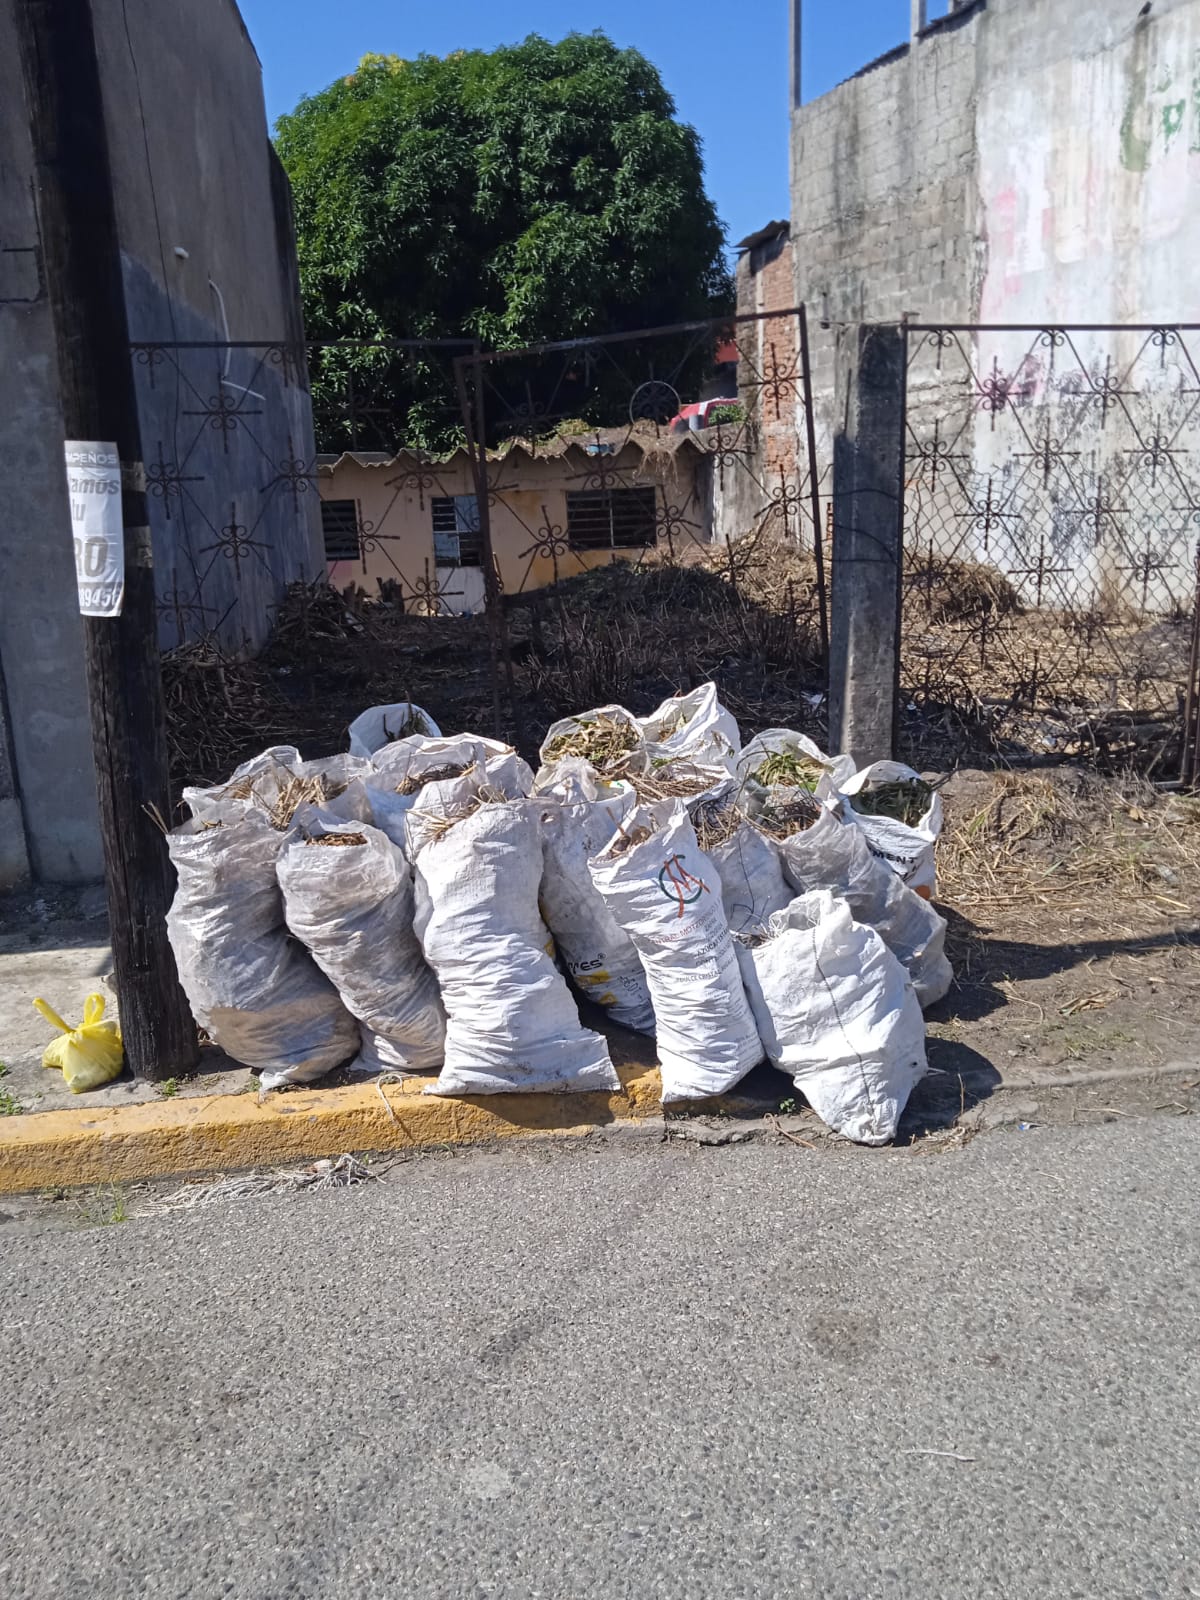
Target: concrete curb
(225,1133)
(228,1132)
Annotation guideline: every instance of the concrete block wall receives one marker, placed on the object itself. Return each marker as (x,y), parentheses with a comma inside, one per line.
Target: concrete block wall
(1032,162)
(883,194)
(1022,160)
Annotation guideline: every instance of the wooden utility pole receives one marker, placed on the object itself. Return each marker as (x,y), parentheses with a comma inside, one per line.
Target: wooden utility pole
(81,252)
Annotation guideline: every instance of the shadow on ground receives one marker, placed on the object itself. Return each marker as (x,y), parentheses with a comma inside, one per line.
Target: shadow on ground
(983,963)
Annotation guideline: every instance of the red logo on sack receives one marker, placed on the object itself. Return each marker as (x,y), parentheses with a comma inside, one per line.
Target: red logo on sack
(678,884)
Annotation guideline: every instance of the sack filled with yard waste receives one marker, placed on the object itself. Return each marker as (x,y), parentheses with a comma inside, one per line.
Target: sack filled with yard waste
(255,991)
(608,737)
(665,892)
(748,864)
(512,1025)
(692,727)
(379,726)
(260,779)
(831,854)
(580,813)
(399,772)
(277,782)
(699,784)
(837,1013)
(779,767)
(348,898)
(900,815)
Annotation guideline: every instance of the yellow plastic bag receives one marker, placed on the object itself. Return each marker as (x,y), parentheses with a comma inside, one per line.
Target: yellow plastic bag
(88,1056)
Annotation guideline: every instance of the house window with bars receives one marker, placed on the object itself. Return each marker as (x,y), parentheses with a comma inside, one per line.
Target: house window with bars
(339,524)
(611,519)
(456,531)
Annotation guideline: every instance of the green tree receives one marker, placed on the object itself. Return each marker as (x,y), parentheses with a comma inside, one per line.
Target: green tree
(536,192)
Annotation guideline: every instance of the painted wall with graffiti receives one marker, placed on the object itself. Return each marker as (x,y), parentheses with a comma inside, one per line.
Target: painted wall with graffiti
(1089,172)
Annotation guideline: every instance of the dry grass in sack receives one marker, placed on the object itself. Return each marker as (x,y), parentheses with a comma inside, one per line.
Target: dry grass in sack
(676,781)
(780,819)
(717,821)
(602,740)
(297,792)
(904,800)
(436,825)
(415,783)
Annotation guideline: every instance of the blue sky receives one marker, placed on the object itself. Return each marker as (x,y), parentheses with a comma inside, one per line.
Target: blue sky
(725,62)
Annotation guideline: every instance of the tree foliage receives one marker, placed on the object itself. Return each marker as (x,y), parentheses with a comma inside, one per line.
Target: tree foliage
(536,192)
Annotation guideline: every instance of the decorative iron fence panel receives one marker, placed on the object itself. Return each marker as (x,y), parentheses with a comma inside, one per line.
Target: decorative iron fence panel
(600,529)
(597,454)
(1052,538)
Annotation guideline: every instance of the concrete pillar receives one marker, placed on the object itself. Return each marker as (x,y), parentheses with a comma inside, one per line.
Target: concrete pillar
(918,16)
(868,484)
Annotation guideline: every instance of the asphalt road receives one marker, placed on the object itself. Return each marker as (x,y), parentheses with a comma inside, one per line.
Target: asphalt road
(642,1371)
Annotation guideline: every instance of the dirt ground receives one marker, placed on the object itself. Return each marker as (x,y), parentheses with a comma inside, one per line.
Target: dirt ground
(1074,908)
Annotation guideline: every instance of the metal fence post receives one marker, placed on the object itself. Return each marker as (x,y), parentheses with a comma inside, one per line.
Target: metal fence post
(868,499)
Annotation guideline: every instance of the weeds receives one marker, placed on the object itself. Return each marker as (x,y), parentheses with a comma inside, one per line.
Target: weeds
(9,1105)
(103,1206)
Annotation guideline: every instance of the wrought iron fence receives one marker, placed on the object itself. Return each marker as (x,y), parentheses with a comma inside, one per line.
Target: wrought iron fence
(233,483)
(1052,538)
(601,474)
(622,515)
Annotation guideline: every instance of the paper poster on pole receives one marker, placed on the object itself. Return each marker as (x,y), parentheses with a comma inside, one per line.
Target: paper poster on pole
(94,487)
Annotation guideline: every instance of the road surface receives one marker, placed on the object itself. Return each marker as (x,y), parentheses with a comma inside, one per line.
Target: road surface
(640,1371)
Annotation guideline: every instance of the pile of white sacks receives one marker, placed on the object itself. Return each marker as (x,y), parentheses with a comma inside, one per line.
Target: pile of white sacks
(430,906)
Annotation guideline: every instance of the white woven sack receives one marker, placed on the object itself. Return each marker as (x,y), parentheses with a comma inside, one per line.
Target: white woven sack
(832,854)
(410,759)
(378,726)
(693,727)
(666,894)
(909,851)
(781,741)
(251,987)
(752,882)
(512,1025)
(567,726)
(580,814)
(837,1012)
(351,905)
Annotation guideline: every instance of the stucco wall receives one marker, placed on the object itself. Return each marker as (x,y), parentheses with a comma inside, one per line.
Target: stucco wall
(41,636)
(530,500)
(192,168)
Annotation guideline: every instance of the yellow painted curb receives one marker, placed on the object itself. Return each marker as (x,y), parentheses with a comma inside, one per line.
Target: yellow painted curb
(227,1132)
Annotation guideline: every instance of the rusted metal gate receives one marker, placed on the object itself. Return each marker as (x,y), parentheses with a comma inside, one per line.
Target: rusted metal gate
(1052,540)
